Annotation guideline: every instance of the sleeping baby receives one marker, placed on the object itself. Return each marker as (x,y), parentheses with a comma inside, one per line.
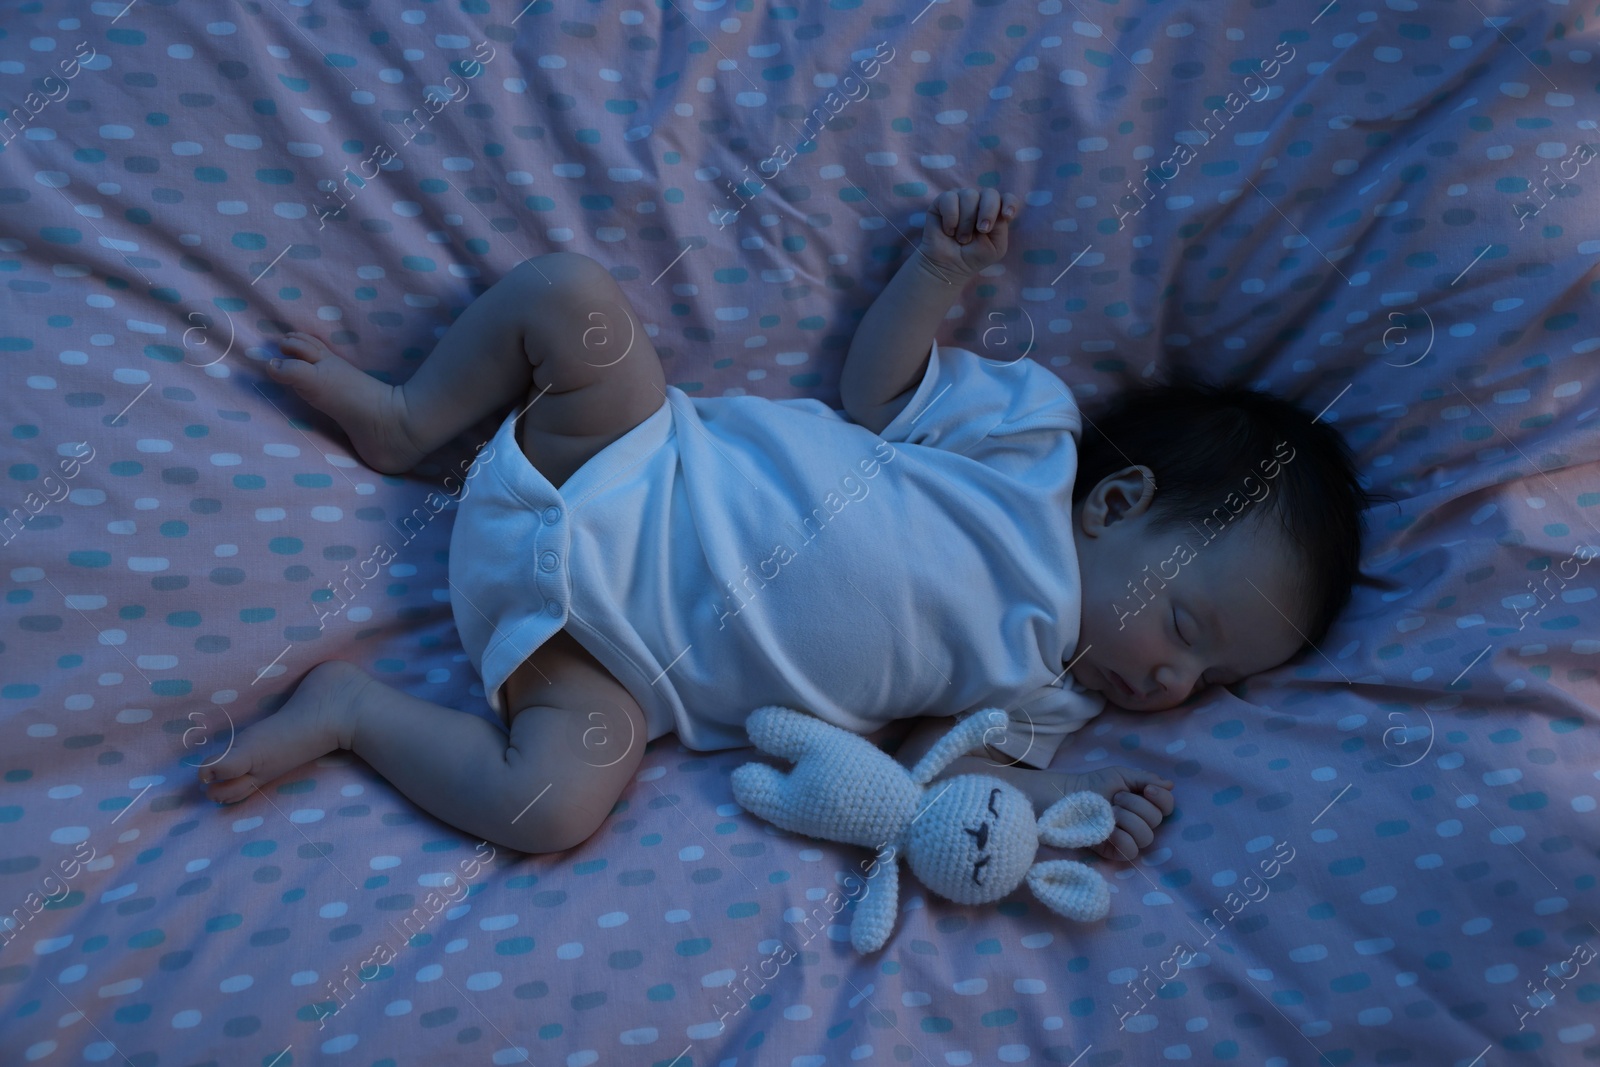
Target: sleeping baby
(628,561)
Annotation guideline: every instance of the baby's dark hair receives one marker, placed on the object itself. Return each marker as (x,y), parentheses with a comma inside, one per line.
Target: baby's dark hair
(1202,441)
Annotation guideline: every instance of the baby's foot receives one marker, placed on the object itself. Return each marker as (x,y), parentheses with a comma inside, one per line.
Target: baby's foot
(371,412)
(316,720)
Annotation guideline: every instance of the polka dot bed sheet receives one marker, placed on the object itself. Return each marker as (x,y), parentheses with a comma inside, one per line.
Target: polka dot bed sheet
(1383,852)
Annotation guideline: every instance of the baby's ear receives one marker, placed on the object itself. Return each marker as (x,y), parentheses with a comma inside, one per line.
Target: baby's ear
(1077,820)
(1069,888)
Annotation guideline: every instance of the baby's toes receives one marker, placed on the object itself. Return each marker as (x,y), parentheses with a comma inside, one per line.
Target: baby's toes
(232,790)
(305,346)
(291,371)
(299,366)
(228,779)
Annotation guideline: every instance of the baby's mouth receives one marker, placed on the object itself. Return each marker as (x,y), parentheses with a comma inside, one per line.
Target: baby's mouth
(1118,686)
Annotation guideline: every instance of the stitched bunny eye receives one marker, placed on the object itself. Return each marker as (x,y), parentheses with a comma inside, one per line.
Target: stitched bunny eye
(992,794)
(976,867)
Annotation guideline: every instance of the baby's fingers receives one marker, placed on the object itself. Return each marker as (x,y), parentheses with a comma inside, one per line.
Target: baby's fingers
(1149,784)
(970,199)
(1160,797)
(1119,846)
(1136,820)
(1135,827)
(995,208)
(988,210)
(1139,806)
(948,208)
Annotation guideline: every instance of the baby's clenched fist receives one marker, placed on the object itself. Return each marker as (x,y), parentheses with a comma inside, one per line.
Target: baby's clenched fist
(967,230)
(1139,800)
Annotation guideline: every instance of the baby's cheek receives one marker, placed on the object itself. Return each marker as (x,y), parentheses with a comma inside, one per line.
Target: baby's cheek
(1143,654)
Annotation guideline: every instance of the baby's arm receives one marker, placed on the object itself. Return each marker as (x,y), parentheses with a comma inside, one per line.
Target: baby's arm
(963,233)
(1139,799)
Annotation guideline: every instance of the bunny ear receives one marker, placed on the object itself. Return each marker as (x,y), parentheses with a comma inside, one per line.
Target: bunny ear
(963,737)
(876,912)
(1076,820)
(1069,888)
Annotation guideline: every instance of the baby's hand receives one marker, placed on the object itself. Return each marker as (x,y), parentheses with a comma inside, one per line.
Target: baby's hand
(966,231)
(1139,801)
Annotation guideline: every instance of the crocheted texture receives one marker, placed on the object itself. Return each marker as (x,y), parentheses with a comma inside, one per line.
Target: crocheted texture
(856,794)
(977,836)
(971,839)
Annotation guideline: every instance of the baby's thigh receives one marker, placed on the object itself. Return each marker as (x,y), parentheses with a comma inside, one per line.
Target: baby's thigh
(576,741)
(596,375)
(576,707)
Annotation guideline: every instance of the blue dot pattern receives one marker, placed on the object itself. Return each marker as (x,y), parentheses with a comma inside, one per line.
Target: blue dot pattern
(1382,853)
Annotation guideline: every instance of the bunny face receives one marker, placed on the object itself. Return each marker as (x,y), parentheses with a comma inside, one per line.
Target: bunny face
(970,838)
(973,840)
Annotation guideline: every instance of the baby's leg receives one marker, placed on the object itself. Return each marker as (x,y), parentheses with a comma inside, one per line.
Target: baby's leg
(576,740)
(556,331)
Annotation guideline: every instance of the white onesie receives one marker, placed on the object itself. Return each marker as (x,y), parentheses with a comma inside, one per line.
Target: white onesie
(730,552)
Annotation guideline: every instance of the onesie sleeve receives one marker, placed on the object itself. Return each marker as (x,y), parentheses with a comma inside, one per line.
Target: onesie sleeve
(1035,728)
(996,412)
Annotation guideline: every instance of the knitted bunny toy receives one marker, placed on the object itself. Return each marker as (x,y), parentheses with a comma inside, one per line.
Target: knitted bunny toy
(971,840)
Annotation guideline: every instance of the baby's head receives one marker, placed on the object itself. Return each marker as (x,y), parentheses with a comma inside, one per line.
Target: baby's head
(1218,534)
